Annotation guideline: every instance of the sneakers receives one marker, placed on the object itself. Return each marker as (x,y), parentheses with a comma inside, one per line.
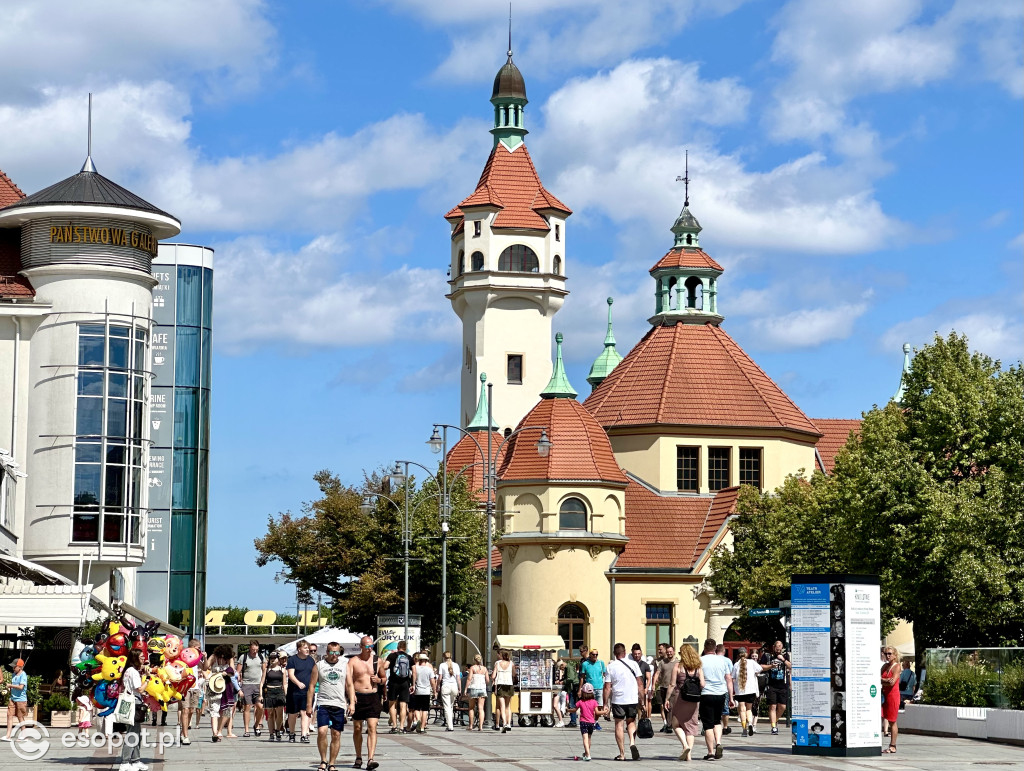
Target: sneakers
(744,731)
(718,752)
(751,729)
(291,738)
(597,726)
(125,767)
(185,740)
(138,765)
(727,730)
(560,724)
(775,730)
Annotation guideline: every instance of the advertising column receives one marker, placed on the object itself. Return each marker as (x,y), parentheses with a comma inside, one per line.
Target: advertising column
(836,632)
(391,628)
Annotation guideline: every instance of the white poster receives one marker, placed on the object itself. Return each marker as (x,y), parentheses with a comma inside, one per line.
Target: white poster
(862,666)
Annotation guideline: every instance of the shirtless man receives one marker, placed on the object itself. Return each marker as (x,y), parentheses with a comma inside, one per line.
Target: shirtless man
(365,674)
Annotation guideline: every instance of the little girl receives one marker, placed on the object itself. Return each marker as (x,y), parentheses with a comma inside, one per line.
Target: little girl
(587,707)
(83,715)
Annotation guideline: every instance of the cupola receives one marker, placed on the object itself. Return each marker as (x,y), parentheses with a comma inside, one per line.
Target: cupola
(608,358)
(509,99)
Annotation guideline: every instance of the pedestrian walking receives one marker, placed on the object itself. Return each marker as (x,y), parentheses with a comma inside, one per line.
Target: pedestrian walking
(559,699)
(744,677)
(716,694)
(448,674)
(504,690)
(131,685)
(720,651)
(664,666)
(476,691)
(891,693)
(253,672)
(276,696)
(220,691)
(424,683)
(17,702)
(778,667)
(593,671)
(645,670)
(623,689)
(589,711)
(191,702)
(573,680)
(399,668)
(331,675)
(366,672)
(686,683)
(300,674)
(83,711)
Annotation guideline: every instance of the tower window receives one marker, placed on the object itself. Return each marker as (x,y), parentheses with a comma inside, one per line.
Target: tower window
(750,466)
(514,368)
(572,623)
(686,469)
(462,262)
(477,227)
(572,515)
(519,259)
(477,261)
(556,266)
(558,232)
(694,293)
(718,468)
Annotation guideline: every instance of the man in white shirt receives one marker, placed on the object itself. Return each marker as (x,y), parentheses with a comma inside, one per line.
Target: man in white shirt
(622,687)
(331,673)
(718,692)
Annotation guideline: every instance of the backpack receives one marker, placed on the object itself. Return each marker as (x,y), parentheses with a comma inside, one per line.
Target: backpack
(690,690)
(402,668)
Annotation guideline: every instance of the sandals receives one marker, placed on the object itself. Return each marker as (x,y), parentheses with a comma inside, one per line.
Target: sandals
(890,750)
(709,756)
(246,735)
(371,764)
(322,766)
(358,763)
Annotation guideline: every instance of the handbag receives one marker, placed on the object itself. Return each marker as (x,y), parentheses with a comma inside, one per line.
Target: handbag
(124,710)
(644,729)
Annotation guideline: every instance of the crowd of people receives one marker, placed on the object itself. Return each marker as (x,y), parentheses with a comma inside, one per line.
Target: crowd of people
(296,697)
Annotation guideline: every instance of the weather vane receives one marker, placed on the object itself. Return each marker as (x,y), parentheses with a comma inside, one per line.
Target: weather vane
(685,179)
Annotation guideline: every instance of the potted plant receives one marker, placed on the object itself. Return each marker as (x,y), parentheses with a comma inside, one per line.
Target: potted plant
(58,705)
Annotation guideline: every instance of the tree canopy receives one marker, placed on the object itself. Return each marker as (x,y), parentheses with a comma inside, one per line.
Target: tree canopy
(928,495)
(356,558)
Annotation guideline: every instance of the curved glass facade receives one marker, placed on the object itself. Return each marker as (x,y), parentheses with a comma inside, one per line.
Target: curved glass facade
(172,582)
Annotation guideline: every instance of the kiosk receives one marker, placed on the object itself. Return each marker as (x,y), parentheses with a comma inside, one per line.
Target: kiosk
(534,659)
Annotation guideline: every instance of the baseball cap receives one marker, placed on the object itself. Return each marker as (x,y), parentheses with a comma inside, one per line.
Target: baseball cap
(18,663)
(588,688)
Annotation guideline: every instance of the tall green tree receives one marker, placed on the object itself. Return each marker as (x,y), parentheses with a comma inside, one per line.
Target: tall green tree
(356,558)
(929,496)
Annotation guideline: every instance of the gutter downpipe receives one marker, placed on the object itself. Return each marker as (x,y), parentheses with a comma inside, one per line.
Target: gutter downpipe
(611,579)
(14,409)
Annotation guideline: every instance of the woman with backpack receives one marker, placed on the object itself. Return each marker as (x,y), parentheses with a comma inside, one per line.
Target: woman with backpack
(684,695)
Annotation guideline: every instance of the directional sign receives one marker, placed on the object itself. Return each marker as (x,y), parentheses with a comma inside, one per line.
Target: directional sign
(765,612)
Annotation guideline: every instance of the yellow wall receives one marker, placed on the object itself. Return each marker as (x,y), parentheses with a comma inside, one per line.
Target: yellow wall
(534,508)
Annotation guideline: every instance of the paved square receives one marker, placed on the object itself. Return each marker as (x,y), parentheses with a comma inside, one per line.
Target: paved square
(522,749)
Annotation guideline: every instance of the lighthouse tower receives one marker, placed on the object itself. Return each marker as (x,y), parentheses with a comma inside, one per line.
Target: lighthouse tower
(508,266)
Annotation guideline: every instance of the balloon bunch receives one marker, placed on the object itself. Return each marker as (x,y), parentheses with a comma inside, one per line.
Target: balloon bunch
(101,665)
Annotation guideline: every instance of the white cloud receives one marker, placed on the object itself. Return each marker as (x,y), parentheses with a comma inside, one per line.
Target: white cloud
(442,373)
(92,44)
(996,334)
(302,297)
(807,328)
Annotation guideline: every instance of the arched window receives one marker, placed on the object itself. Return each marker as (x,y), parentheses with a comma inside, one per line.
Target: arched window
(572,626)
(519,259)
(689,238)
(477,261)
(694,293)
(557,266)
(572,515)
(672,295)
(462,262)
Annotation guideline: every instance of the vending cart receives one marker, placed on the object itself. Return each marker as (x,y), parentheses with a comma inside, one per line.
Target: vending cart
(534,660)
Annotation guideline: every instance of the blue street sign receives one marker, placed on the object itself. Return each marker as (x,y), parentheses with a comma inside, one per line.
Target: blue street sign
(765,612)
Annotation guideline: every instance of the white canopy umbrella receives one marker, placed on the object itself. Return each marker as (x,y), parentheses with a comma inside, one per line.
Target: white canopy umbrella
(349,640)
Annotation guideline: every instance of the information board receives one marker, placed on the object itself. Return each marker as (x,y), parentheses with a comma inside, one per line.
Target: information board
(835,633)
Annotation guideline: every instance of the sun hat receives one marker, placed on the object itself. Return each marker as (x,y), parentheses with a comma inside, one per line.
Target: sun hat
(217,683)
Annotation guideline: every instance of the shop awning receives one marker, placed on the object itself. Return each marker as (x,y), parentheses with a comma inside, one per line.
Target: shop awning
(141,615)
(34,595)
(518,642)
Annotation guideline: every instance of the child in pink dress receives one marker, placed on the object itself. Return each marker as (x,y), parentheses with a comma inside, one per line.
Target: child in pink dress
(588,711)
(83,716)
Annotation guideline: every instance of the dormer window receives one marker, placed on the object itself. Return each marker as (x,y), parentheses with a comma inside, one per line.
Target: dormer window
(558,232)
(477,227)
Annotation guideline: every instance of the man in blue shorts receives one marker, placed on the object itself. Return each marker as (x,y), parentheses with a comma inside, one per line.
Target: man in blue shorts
(330,672)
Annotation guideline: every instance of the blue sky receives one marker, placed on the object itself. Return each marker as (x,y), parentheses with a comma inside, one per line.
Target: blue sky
(856,167)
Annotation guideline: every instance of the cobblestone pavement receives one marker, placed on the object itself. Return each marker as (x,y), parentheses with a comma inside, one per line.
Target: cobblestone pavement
(522,749)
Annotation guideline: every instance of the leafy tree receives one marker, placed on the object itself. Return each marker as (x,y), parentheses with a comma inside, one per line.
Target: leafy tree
(929,496)
(356,558)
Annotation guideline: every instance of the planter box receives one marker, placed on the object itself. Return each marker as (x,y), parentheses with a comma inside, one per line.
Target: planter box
(1002,725)
(33,714)
(60,719)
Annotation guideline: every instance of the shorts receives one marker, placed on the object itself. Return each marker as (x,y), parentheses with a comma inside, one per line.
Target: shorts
(330,717)
(505,692)
(398,690)
(624,711)
(475,693)
(725,707)
(215,707)
(274,698)
(420,702)
(587,728)
(18,709)
(250,694)
(747,698)
(663,697)
(191,700)
(778,696)
(710,710)
(367,706)
(296,701)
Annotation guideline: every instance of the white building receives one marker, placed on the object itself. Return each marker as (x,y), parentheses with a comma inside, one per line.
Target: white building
(76,324)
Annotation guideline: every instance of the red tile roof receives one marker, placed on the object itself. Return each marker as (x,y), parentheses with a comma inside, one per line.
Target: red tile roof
(11,284)
(835,432)
(580,450)
(9,192)
(466,455)
(481,564)
(669,531)
(687,258)
(693,374)
(510,183)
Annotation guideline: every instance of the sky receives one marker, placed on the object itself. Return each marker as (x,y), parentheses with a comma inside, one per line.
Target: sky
(856,166)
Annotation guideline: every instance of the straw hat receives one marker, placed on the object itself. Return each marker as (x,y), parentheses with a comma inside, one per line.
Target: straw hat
(217,683)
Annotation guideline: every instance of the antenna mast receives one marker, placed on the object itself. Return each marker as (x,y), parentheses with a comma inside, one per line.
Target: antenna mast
(88,165)
(685,179)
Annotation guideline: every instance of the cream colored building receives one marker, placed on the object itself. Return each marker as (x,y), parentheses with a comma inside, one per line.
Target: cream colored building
(608,537)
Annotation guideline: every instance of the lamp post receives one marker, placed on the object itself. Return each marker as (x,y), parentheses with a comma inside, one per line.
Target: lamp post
(438,442)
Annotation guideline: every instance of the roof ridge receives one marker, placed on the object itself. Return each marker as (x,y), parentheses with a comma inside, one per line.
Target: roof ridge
(753,385)
(700,535)
(11,183)
(669,369)
(621,370)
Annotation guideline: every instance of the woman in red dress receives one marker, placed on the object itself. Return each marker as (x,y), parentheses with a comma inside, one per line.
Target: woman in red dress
(891,694)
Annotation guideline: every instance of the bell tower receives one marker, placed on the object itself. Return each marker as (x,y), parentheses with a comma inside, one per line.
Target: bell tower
(508,266)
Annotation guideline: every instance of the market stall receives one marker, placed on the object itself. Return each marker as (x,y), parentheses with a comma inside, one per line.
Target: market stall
(534,659)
